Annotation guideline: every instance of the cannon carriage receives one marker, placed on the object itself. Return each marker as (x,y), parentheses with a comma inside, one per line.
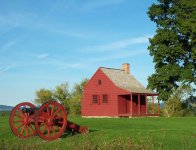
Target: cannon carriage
(48,121)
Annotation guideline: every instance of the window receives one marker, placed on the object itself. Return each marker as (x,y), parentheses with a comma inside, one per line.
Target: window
(95,99)
(99,82)
(105,99)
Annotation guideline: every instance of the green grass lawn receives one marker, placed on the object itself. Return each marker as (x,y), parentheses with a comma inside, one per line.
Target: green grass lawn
(113,133)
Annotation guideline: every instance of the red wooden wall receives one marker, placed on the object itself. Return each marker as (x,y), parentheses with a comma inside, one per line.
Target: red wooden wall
(119,100)
(94,88)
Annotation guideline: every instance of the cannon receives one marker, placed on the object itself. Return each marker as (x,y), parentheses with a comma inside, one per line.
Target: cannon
(48,121)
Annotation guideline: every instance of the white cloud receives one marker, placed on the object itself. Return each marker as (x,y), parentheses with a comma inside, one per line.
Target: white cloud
(117,45)
(15,19)
(45,59)
(76,6)
(65,32)
(42,56)
(6,68)
(93,4)
(63,66)
(126,54)
(8,45)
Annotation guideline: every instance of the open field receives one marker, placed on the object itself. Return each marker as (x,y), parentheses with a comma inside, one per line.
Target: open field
(108,133)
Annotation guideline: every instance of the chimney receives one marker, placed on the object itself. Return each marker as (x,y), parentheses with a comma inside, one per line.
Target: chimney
(126,68)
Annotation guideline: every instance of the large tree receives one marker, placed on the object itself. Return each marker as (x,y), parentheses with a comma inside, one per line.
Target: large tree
(173,46)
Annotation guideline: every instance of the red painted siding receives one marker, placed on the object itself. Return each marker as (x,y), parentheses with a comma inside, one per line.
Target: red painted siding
(119,100)
(94,88)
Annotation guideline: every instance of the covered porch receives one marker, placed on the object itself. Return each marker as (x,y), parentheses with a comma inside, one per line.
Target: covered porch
(138,105)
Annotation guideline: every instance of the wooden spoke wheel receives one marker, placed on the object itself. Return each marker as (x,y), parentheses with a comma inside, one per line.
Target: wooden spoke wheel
(21,122)
(51,121)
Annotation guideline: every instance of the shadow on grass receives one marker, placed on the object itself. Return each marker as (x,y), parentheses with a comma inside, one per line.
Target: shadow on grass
(70,134)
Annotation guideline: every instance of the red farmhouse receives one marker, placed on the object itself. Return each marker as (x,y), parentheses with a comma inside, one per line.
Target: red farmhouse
(116,93)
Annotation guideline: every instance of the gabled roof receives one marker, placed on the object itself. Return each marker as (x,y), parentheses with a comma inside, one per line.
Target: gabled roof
(125,81)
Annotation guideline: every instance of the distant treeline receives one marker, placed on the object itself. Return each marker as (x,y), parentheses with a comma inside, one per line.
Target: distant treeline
(4,113)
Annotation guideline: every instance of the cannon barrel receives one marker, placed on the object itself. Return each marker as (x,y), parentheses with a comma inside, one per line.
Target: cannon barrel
(76,128)
(28,110)
(49,121)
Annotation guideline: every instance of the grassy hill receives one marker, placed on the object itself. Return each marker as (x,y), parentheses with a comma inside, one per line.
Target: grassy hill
(114,133)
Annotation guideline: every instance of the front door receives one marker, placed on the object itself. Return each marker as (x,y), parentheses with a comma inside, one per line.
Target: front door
(143,104)
(124,104)
(135,105)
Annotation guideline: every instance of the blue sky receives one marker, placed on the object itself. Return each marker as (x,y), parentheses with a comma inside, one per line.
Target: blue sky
(44,43)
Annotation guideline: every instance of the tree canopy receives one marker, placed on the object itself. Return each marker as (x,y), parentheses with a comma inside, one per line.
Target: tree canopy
(173,46)
(178,104)
(43,95)
(70,100)
(76,97)
(61,94)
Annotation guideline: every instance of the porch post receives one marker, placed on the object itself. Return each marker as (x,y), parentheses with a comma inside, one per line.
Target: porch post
(139,104)
(152,104)
(146,104)
(159,107)
(131,109)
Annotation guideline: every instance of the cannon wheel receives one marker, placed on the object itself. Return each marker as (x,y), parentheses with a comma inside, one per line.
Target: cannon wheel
(22,123)
(51,121)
